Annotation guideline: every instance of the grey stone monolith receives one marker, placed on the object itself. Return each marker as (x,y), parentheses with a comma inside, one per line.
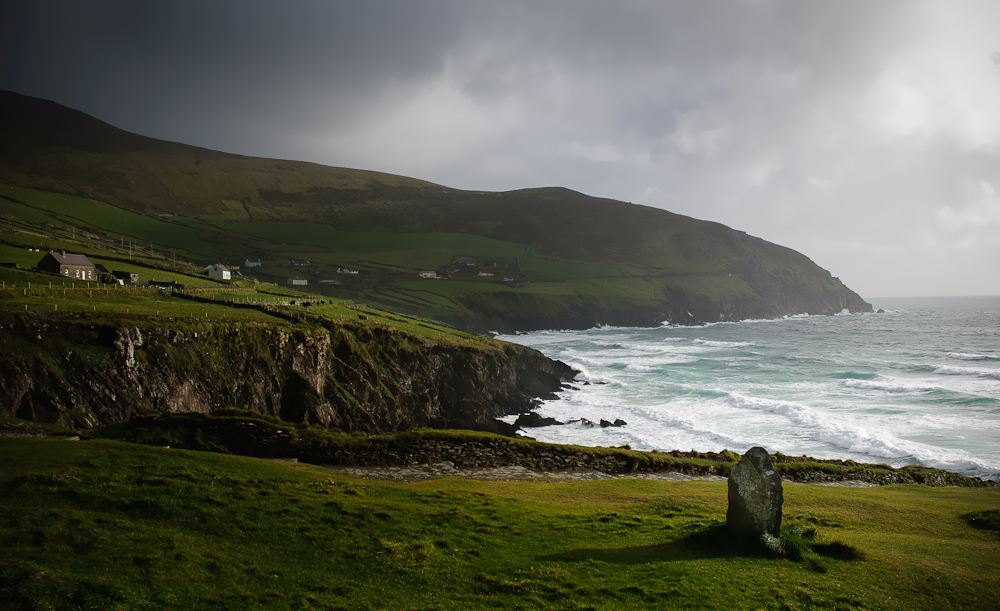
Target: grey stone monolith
(755,495)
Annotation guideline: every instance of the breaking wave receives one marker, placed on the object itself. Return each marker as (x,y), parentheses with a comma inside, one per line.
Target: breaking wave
(890,386)
(946,370)
(717,344)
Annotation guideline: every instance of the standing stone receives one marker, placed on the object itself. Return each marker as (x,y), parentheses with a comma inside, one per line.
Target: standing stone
(755,495)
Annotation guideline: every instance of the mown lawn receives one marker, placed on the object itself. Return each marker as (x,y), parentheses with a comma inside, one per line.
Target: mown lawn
(103,524)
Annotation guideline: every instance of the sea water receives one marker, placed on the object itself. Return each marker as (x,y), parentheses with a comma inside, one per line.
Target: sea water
(917,384)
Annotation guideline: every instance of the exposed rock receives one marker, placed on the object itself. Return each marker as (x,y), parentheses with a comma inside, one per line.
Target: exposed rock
(618,422)
(532,419)
(355,378)
(755,495)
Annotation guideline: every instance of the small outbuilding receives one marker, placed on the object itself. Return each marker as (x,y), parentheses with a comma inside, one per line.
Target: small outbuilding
(219,271)
(126,277)
(297,281)
(77,267)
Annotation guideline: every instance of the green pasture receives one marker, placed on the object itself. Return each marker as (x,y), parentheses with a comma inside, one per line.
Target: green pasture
(547,269)
(109,525)
(84,213)
(389,262)
(45,295)
(117,304)
(717,287)
(29,259)
(329,239)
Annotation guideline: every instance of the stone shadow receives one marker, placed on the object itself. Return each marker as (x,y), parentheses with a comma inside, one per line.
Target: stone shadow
(714,541)
(717,541)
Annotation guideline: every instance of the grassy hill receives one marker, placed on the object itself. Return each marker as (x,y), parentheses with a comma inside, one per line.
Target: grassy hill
(514,260)
(108,525)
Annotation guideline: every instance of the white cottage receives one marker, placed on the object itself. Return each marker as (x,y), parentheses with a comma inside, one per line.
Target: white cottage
(219,271)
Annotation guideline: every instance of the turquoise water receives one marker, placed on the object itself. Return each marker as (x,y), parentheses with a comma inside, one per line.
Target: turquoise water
(918,384)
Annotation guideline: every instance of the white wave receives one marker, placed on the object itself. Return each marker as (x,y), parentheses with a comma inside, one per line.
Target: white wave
(584,374)
(717,344)
(961,356)
(822,428)
(947,370)
(854,437)
(645,348)
(890,386)
(641,368)
(574,359)
(673,339)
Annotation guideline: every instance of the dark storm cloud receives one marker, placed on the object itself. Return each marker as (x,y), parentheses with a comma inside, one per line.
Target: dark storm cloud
(865,134)
(196,64)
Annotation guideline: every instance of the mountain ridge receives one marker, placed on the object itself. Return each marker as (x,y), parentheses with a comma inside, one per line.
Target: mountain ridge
(545,257)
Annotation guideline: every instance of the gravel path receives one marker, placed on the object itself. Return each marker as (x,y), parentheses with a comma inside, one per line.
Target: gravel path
(416,473)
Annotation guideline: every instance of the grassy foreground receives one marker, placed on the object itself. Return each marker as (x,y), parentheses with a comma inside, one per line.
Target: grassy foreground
(104,524)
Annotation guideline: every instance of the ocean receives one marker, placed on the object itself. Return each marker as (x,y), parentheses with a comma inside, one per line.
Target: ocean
(917,384)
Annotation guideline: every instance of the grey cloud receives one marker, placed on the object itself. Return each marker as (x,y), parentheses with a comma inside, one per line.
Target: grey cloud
(841,129)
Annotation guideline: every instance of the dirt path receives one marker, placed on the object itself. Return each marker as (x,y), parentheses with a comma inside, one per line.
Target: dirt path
(416,473)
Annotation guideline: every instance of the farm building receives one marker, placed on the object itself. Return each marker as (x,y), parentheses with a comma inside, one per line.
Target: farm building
(219,271)
(126,277)
(296,281)
(346,270)
(73,266)
(168,286)
(299,263)
(252,263)
(428,274)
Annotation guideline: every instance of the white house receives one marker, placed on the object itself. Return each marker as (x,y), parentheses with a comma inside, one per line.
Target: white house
(219,271)
(296,281)
(428,274)
(252,263)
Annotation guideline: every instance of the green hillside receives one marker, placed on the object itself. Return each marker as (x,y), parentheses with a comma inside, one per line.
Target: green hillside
(109,525)
(514,260)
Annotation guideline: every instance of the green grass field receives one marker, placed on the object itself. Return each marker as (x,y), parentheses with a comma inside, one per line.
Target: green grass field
(108,525)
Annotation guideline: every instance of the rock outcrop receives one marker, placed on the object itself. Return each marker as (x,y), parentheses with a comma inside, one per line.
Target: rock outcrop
(755,495)
(351,377)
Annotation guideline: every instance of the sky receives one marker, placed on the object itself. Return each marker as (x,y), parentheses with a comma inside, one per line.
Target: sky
(865,135)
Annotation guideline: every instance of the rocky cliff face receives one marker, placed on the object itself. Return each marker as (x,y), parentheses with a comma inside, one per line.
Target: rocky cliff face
(352,377)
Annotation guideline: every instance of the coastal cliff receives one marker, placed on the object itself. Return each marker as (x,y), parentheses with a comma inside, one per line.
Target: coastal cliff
(350,377)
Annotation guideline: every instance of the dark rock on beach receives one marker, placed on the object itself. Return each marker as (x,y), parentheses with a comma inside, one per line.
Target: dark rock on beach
(532,419)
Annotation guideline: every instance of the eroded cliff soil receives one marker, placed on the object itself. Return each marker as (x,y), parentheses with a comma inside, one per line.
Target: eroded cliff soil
(354,378)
